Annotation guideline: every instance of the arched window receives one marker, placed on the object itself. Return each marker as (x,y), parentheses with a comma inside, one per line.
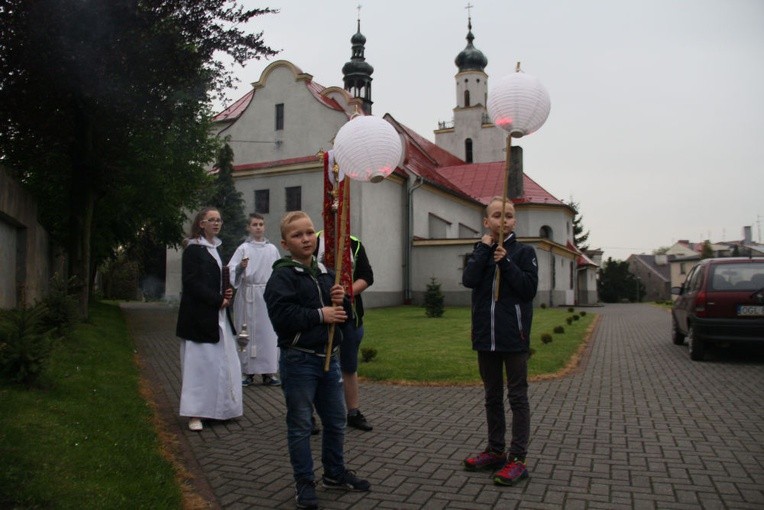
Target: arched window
(468,150)
(466,98)
(545,232)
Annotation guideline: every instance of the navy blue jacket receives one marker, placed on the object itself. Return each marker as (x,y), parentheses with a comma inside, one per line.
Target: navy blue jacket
(503,325)
(294,294)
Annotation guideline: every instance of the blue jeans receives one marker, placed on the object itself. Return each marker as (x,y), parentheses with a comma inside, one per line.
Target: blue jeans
(305,384)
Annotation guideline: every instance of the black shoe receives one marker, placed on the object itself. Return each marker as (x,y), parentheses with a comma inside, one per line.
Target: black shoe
(246,380)
(358,421)
(316,429)
(346,481)
(306,494)
(270,380)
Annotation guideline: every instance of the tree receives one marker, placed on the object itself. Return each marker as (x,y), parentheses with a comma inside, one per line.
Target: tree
(230,204)
(617,283)
(706,251)
(433,299)
(105,113)
(579,236)
(662,250)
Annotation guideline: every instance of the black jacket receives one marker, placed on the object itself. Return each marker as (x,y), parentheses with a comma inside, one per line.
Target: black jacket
(503,325)
(200,298)
(294,294)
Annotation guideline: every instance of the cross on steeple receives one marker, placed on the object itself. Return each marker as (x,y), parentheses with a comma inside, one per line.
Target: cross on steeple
(359,12)
(469,7)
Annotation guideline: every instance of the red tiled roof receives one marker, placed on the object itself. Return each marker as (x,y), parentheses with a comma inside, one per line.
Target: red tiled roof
(233,111)
(483,181)
(581,259)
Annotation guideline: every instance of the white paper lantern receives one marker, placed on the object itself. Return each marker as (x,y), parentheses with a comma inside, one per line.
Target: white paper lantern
(518,104)
(367,148)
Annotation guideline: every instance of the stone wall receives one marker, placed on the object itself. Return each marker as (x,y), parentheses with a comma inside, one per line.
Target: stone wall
(25,260)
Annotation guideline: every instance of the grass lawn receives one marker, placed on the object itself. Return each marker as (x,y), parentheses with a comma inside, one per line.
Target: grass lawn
(416,349)
(84,437)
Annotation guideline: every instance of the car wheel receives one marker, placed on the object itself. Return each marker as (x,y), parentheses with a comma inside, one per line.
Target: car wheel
(676,336)
(697,347)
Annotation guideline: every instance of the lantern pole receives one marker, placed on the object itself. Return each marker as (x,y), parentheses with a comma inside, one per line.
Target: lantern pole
(338,260)
(503,211)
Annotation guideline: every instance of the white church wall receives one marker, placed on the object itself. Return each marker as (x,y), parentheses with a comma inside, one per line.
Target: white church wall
(430,201)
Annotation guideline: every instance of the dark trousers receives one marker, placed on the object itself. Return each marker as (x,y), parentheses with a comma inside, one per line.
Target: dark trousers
(492,367)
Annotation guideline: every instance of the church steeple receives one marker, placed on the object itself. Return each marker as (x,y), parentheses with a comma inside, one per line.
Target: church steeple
(470,58)
(357,72)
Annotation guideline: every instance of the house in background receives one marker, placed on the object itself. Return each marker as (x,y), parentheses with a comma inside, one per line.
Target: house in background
(423,220)
(654,273)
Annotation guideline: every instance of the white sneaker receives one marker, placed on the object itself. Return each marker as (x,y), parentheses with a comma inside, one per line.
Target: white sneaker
(195,424)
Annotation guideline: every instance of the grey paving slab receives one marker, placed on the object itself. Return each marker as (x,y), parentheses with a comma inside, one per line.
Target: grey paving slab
(638,425)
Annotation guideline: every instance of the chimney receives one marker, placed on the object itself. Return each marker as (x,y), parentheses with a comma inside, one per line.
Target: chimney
(515,186)
(661,260)
(747,237)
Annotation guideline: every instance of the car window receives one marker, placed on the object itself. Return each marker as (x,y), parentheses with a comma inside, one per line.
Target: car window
(693,279)
(743,276)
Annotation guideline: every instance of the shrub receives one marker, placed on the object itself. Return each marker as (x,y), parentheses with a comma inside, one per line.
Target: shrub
(368,354)
(542,306)
(569,320)
(531,352)
(546,338)
(61,311)
(575,317)
(582,313)
(25,345)
(433,299)
(559,329)
(571,310)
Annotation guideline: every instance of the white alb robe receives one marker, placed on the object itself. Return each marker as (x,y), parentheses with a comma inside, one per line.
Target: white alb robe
(211,377)
(261,355)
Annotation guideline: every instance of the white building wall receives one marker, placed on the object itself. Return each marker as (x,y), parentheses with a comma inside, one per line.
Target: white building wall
(428,200)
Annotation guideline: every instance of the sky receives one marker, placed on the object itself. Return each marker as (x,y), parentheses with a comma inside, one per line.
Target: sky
(656,127)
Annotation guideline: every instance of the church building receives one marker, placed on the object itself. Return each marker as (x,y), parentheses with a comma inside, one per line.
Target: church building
(423,220)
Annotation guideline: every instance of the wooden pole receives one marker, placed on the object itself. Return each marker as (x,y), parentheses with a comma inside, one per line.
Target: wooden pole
(503,212)
(338,264)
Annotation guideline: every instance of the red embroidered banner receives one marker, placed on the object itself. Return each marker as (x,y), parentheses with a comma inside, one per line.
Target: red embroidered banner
(333,206)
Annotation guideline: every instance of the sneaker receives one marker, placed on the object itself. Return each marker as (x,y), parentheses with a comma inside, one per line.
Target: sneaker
(195,424)
(316,430)
(485,460)
(246,380)
(305,495)
(270,380)
(346,481)
(358,421)
(512,472)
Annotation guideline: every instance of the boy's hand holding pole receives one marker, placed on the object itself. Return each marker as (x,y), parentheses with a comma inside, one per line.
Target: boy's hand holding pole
(333,315)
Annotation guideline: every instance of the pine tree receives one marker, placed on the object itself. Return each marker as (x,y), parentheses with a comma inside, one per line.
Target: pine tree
(579,236)
(433,299)
(230,204)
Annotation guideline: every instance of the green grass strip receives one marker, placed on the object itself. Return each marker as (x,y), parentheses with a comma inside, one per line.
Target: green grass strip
(413,348)
(84,438)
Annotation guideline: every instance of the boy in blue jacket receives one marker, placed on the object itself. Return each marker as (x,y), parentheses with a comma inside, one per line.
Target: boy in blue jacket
(501,328)
(303,302)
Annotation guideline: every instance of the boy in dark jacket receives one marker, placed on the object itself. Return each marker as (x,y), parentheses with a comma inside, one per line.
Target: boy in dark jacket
(303,302)
(502,311)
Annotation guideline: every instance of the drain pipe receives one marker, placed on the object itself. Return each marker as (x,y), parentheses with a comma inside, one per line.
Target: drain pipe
(409,235)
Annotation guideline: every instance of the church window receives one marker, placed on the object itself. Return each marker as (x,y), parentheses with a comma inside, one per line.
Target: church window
(468,150)
(466,98)
(294,198)
(262,201)
(545,232)
(279,116)
(572,272)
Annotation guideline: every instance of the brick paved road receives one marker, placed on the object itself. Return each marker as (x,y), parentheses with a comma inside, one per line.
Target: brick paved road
(638,426)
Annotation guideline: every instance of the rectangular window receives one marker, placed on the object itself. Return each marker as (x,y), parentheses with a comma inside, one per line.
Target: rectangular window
(279,116)
(294,198)
(262,201)
(437,227)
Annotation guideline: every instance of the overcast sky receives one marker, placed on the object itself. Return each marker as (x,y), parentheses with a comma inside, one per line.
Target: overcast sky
(657,120)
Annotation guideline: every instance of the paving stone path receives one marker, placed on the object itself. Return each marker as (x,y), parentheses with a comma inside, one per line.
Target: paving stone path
(637,426)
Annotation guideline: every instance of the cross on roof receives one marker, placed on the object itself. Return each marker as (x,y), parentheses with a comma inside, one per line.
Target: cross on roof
(469,12)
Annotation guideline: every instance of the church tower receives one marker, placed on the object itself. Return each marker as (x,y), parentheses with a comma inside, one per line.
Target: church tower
(357,72)
(471,135)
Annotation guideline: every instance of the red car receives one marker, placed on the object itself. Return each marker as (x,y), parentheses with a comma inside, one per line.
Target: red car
(720,302)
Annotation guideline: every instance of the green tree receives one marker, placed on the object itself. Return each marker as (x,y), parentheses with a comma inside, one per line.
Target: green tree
(433,299)
(579,235)
(617,283)
(230,204)
(662,250)
(105,113)
(706,251)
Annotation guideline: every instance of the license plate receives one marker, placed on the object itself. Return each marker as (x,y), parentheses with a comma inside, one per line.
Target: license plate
(750,311)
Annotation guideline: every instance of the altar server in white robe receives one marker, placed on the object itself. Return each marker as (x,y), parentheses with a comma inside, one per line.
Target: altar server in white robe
(211,384)
(251,266)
